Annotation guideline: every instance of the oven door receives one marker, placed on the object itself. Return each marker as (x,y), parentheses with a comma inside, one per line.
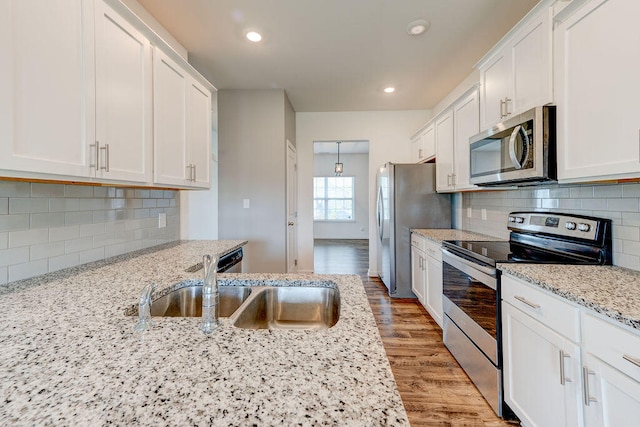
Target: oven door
(471,300)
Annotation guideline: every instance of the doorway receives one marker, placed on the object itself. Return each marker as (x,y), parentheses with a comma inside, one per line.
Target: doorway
(341,207)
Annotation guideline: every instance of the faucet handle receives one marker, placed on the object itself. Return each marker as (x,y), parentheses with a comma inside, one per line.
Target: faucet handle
(144,309)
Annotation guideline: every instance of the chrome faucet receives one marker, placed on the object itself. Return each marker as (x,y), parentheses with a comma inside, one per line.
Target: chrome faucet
(144,309)
(210,296)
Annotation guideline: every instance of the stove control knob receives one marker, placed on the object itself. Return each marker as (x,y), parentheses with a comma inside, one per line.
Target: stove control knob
(584,227)
(570,225)
(512,219)
(519,220)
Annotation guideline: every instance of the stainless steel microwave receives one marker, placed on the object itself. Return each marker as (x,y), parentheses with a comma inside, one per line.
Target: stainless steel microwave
(518,151)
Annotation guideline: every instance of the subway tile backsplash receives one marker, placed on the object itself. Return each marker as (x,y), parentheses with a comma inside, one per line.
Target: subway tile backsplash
(618,202)
(48,227)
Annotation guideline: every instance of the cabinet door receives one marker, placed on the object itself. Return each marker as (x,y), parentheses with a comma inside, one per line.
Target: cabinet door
(123,99)
(416,149)
(433,288)
(46,86)
(170,106)
(597,92)
(531,58)
(612,399)
(417,273)
(199,134)
(466,121)
(541,372)
(444,152)
(494,84)
(428,143)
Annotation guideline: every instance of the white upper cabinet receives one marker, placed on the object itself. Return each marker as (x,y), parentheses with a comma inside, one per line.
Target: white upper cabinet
(199,133)
(453,131)
(182,126)
(423,145)
(170,127)
(46,86)
(124,138)
(466,122)
(517,74)
(444,151)
(597,91)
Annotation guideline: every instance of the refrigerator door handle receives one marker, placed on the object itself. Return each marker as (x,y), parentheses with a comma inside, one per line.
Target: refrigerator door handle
(380,214)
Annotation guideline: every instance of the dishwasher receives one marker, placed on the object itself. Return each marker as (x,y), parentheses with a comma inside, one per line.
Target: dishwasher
(231,262)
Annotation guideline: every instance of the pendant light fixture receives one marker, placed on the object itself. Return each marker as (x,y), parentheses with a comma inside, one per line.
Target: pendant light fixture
(338,167)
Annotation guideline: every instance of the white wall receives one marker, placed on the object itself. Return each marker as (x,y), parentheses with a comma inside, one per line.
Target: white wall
(388,135)
(357,166)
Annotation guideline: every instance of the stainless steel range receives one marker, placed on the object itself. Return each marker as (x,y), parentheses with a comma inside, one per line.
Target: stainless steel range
(472,289)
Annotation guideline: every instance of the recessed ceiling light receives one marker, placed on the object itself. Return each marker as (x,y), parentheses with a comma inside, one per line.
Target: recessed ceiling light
(254,36)
(418,27)
(389,89)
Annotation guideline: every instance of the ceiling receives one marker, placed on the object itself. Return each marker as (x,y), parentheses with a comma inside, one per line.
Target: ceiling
(339,55)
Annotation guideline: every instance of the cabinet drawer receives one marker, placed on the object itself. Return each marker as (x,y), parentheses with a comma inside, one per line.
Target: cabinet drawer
(417,241)
(433,250)
(550,310)
(614,344)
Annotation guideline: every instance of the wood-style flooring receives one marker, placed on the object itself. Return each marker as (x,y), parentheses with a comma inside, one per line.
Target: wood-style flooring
(433,387)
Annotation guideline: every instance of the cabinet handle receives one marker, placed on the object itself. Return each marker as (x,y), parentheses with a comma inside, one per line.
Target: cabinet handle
(97,156)
(448,180)
(106,158)
(502,114)
(563,378)
(453,179)
(632,360)
(507,100)
(195,173)
(189,174)
(585,387)
(525,301)
(419,153)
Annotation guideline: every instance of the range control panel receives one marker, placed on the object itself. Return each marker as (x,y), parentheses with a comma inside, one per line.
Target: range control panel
(556,224)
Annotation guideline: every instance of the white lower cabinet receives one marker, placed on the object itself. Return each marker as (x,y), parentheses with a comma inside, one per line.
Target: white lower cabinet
(565,365)
(541,371)
(433,284)
(426,275)
(611,374)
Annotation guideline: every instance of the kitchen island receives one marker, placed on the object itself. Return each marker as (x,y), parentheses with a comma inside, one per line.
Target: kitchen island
(69,356)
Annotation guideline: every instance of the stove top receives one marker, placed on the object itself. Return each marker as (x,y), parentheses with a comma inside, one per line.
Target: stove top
(543,238)
(494,252)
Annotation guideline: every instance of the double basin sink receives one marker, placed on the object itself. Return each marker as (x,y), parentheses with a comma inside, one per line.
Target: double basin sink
(259,307)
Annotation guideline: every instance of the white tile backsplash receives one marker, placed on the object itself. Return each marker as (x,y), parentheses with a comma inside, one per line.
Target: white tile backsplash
(618,202)
(48,227)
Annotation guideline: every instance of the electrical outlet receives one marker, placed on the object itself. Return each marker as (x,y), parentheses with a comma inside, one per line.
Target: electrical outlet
(246,203)
(484,214)
(469,212)
(162,220)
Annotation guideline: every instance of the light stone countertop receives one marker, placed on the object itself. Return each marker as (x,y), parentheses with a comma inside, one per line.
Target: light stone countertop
(438,235)
(609,290)
(69,356)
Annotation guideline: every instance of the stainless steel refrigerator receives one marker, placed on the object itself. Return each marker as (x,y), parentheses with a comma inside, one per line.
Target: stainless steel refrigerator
(407,199)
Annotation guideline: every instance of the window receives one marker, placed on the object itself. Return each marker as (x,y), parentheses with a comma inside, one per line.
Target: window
(333,198)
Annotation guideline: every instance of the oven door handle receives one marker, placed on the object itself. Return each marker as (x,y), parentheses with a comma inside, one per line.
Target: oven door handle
(486,275)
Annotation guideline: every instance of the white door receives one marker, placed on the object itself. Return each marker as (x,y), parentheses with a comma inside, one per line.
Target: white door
(494,84)
(199,134)
(169,105)
(47,97)
(541,372)
(418,273)
(444,152)
(466,120)
(124,108)
(292,209)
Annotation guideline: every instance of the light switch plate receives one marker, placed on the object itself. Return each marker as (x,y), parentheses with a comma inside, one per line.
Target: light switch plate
(162,220)
(246,203)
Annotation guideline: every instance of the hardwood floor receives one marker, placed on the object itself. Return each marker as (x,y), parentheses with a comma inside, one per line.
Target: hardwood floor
(434,389)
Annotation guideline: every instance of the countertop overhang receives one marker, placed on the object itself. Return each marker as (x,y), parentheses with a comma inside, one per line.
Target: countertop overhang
(70,357)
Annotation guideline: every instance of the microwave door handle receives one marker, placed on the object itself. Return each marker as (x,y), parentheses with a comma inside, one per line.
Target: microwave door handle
(518,163)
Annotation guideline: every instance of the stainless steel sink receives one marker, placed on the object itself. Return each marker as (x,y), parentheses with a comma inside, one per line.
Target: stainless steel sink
(289,308)
(187,302)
